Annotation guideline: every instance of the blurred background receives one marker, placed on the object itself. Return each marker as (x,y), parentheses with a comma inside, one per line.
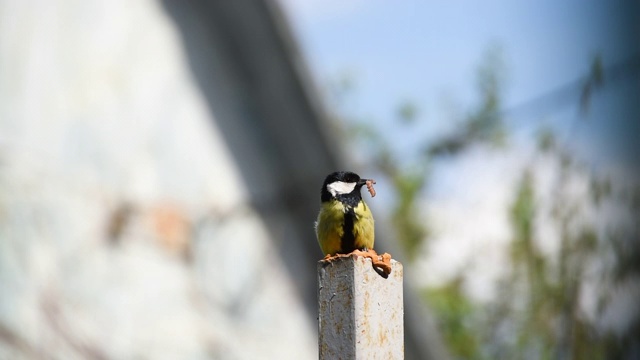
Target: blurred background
(161,163)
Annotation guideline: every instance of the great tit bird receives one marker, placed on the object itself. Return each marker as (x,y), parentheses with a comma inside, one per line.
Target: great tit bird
(345,222)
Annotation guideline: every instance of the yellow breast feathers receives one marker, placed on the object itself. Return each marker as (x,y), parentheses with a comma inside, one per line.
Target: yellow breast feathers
(342,229)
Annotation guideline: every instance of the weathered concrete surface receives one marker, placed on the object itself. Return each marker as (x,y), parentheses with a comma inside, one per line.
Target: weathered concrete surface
(361,313)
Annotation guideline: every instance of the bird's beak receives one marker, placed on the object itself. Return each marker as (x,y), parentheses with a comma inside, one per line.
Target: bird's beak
(364,182)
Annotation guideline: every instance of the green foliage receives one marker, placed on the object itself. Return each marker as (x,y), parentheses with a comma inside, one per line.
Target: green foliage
(408,224)
(485,124)
(407,112)
(600,189)
(537,314)
(455,318)
(407,183)
(522,216)
(548,315)
(594,81)
(410,179)
(546,140)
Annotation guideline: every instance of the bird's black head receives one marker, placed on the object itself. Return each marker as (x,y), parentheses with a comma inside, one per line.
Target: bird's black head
(342,185)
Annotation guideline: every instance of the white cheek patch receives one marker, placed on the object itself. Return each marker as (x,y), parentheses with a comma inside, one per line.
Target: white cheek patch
(340,187)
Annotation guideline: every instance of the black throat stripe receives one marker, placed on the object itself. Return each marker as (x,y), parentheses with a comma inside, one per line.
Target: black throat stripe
(350,202)
(348,241)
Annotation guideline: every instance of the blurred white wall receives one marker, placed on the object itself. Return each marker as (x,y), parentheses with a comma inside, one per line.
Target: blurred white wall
(125,229)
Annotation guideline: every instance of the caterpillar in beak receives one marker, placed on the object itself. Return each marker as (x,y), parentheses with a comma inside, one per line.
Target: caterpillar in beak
(369,184)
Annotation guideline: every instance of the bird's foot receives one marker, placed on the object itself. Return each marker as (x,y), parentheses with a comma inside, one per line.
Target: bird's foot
(379,262)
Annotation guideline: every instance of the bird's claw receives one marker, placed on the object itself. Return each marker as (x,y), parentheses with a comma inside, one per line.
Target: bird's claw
(382,262)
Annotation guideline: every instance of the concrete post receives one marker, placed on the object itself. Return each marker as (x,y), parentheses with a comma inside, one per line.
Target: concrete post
(360,311)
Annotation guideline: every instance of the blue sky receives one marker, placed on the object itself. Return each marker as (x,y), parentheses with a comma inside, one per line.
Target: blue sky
(428,52)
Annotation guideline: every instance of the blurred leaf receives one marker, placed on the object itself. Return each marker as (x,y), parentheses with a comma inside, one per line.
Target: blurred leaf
(485,124)
(546,140)
(407,112)
(451,145)
(523,212)
(586,241)
(410,225)
(595,80)
(365,132)
(628,257)
(600,189)
(491,76)
(455,312)
(343,85)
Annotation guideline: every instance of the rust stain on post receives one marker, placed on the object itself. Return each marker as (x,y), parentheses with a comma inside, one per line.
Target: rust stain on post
(360,312)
